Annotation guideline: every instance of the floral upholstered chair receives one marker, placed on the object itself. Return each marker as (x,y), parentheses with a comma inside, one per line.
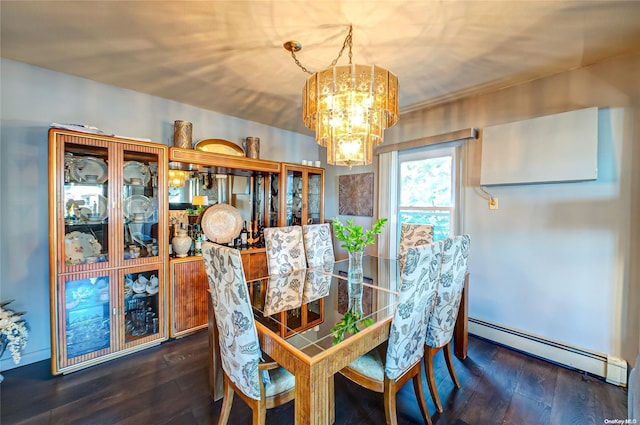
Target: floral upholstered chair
(412,235)
(443,320)
(285,249)
(388,367)
(318,245)
(260,385)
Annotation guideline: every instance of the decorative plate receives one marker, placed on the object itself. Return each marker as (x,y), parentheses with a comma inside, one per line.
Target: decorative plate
(222,146)
(97,213)
(84,168)
(137,204)
(221,223)
(79,246)
(136,170)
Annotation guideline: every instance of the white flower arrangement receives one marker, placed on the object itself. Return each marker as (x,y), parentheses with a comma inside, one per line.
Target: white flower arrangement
(13,332)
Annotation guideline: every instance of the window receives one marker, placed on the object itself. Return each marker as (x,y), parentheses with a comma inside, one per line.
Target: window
(428,185)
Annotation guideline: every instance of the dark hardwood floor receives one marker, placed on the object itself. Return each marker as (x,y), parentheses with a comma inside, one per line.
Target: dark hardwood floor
(167,385)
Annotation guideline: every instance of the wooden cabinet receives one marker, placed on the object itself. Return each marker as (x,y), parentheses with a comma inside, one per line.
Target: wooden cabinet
(188,285)
(302,200)
(189,293)
(190,289)
(107,221)
(254,263)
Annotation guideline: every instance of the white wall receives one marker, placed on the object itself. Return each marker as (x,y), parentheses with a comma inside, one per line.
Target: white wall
(556,260)
(32,98)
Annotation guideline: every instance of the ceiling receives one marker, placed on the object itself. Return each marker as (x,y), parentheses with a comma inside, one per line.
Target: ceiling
(227,56)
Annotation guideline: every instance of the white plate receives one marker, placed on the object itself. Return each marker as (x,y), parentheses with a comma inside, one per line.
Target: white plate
(82,167)
(151,289)
(137,204)
(221,223)
(136,170)
(97,215)
(79,246)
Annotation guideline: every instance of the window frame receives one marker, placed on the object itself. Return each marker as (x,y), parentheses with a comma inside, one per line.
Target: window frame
(452,150)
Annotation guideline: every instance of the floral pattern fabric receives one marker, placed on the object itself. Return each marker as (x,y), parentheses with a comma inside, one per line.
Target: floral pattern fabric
(412,235)
(284,292)
(318,244)
(419,281)
(285,249)
(316,285)
(238,337)
(454,267)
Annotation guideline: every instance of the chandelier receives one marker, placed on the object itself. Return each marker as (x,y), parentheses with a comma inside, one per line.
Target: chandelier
(348,106)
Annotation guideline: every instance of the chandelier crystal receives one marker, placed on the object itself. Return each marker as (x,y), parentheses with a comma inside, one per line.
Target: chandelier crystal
(349,107)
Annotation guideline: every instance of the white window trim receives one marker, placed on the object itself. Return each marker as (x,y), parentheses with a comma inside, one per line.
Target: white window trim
(387,179)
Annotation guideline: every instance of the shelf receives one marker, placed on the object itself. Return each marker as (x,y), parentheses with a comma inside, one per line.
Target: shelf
(221,164)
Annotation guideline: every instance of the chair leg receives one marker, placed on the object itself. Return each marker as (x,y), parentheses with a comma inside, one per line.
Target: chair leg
(260,414)
(449,359)
(429,352)
(227,400)
(417,388)
(390,404)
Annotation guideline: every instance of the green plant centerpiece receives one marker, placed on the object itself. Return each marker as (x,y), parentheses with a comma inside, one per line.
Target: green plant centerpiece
(354,240)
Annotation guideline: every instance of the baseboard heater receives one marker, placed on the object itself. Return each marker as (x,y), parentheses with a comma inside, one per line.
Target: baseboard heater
(613,369)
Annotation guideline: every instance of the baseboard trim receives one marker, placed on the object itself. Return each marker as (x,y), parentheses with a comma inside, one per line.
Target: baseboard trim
(575,357)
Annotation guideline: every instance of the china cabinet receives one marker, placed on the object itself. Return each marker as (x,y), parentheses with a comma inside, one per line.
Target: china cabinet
(107,217)
(302,189)
(250,185)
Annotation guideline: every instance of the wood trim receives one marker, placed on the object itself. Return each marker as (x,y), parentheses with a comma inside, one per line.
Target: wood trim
(210,159)
(467,133)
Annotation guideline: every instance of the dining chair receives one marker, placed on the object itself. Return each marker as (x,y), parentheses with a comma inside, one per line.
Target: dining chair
(318,245)
(262,385)
(388,367)
(442,321)
(412,235)
(285,249)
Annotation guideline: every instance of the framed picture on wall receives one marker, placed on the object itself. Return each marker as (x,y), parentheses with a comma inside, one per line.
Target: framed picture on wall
(355,194)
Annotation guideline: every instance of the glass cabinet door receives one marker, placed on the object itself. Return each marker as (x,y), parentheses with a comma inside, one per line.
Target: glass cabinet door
(273,200)
(85,315)
(142,305)
(140,205)
(314,198)
(85,204)
(293,198)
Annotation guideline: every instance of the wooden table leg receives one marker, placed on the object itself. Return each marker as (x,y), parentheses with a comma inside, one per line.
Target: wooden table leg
(313,403)
(460,333)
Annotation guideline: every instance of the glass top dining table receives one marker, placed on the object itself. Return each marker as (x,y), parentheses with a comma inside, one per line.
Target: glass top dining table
(295,314)
(303,306)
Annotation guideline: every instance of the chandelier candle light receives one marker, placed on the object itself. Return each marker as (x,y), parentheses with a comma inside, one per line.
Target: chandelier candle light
(348,106)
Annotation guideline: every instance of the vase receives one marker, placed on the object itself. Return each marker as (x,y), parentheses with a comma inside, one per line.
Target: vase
(182,134)
(252,147)
(181,243)
(355,267)
(354,282)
